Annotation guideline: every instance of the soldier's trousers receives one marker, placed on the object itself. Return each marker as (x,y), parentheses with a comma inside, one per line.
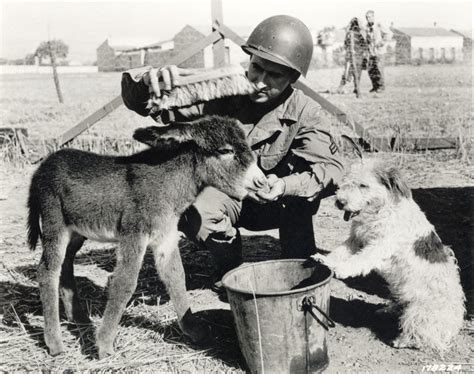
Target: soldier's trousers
(375,71)
(214,218)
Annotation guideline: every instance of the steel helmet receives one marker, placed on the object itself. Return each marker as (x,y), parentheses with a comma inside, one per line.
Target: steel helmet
(284,40)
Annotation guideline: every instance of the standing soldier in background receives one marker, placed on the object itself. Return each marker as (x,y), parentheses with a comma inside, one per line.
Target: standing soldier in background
(284,127)
(376,36)
(355,52)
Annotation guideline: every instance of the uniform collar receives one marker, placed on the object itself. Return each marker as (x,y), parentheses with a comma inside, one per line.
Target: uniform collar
(275,120)
(284,110)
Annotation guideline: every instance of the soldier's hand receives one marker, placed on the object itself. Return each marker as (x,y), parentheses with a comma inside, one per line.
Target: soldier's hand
(277,189)
(166,76)
(259,183)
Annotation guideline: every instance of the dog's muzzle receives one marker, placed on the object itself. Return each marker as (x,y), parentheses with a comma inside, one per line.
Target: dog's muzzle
(341,204)
(348,215)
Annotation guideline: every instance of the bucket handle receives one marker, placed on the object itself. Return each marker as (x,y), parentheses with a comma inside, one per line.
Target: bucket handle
(307,305)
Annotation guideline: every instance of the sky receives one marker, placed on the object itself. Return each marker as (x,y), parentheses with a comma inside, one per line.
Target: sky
(83,24)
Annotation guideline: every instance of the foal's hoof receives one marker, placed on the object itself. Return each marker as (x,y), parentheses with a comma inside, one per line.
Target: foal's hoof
(105,352)
(55,349)
(105,345)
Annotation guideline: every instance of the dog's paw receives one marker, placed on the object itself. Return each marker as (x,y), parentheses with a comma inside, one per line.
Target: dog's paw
(324,259)
(319,258)
(343,271)
(404,342)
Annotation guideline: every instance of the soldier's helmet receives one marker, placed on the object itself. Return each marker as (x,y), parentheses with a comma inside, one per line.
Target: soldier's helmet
(284,40)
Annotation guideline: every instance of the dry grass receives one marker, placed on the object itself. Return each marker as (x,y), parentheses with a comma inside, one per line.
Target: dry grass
(430,101)
(149,338)
(420,101)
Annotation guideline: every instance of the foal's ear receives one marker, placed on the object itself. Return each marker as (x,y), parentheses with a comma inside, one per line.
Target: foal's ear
(391,178)
(156,135)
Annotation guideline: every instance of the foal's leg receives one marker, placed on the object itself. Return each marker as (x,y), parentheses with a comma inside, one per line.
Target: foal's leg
(67,283)
(54,240)
(170,268)
(124,281)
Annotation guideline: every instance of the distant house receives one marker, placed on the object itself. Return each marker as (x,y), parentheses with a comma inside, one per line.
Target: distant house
(112,53)
(328,49)
(467,43)
(119,55)
(427,45)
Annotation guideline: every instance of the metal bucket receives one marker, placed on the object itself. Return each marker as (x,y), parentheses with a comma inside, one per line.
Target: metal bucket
(280,311)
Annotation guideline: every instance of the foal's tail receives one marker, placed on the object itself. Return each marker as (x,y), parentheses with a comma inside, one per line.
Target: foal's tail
(33,225)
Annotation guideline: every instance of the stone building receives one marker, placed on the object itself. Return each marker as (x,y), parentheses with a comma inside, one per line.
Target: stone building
(111,54)
(119,54)
(467,44)
(418,45)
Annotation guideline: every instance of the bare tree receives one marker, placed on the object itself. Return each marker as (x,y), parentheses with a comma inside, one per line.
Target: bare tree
(30,59)
(53,49)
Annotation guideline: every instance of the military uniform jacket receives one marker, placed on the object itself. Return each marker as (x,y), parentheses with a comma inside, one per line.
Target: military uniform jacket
(287,138)
(376,37)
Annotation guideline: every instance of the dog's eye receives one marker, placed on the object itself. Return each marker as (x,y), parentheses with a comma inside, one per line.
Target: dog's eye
(362,185)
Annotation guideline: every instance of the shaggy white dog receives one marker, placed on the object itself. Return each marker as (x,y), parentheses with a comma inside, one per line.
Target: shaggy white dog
(391,235)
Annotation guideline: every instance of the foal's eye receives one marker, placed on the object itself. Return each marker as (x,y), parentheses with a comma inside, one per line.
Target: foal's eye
(362,185)
(225,150)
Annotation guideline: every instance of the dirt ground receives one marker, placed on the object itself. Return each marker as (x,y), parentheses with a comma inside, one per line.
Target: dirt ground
(429,100)
(149,339)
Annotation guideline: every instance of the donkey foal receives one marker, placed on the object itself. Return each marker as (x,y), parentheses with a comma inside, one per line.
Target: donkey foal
(135,201)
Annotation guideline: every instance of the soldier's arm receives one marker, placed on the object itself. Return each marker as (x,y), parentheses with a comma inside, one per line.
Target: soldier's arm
(316,147)
(139,84)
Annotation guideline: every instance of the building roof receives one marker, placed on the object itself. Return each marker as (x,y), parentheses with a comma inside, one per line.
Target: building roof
(126,44)
(464,33)
(203,29)
(424,31)
(158,44)
(242,31)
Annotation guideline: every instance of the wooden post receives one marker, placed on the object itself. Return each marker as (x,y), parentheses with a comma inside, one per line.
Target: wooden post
(90,120)
(218,48)
(55,73)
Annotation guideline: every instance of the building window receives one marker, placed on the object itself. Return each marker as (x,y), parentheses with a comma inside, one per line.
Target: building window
(453,54)
(227,55)
(420,53)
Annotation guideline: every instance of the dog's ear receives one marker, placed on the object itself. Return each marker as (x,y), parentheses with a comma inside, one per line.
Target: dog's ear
(391,178)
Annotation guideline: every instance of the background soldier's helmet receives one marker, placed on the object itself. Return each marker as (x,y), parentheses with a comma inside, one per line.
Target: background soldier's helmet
(284,40)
